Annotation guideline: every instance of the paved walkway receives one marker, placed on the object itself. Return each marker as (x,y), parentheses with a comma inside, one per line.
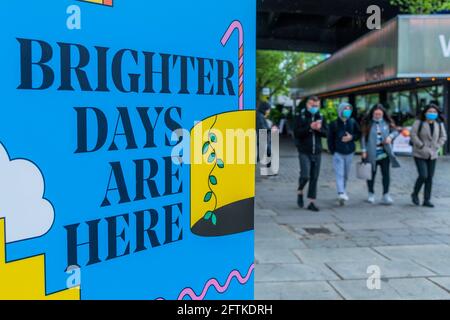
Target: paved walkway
(325,255)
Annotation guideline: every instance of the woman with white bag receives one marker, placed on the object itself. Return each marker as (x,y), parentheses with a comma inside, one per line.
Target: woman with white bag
(379,131)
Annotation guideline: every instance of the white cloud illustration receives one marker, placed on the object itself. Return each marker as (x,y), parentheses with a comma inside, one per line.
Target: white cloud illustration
(28,214)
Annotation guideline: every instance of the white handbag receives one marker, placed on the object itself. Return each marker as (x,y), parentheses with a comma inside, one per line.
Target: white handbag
(364,170)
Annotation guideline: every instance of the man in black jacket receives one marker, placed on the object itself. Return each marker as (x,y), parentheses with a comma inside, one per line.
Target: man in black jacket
(310,128)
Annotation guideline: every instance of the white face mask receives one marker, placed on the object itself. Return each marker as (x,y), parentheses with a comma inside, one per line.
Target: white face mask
(377,119)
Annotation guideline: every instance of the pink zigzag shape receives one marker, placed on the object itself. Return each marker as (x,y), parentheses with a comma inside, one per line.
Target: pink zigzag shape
(213,282)
(216,284)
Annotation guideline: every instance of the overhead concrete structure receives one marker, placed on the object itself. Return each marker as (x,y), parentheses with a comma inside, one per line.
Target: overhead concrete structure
(322,26)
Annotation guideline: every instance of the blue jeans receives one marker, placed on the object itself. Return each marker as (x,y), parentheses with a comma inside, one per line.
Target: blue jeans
(342,165)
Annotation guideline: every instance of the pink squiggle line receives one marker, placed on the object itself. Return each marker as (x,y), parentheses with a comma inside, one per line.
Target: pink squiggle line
(213,282)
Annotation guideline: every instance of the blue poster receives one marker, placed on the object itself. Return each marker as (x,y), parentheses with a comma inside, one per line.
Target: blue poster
(126,160)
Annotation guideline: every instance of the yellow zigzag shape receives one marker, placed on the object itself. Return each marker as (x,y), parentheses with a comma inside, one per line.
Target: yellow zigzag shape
(25,279)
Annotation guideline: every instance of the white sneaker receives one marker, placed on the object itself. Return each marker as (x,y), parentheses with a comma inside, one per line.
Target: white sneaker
(341,199)
(371,198)
(345,196)
(387,200)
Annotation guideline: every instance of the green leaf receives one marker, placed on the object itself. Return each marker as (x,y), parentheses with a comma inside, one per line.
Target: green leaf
(205,147)
(214,219)
(211,157)
(208,196)
(213,137)
(220,163)
(208,215)
(213,180)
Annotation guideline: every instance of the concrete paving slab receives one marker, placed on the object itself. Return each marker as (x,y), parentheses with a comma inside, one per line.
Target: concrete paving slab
(416,252)
(443,282)
(275,255)
(293,272)
(317,290)
(322,255)
(388,269)
(440,266)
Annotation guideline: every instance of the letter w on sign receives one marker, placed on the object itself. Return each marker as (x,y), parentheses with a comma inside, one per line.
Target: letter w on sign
(445,45)
(108,3)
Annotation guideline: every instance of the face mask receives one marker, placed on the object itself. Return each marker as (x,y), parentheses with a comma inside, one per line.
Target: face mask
(347,113)
(431,116)
(377,119)
(313,110)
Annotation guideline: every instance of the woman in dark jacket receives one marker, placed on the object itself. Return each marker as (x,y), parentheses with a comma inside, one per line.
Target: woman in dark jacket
(428,135)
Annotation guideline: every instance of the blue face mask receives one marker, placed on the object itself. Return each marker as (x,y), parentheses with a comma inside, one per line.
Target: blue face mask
(431,116)
(313,110)
(347,113)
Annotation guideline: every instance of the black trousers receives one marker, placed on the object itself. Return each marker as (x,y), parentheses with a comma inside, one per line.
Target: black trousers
(309,172)
(384,165)
(426,169)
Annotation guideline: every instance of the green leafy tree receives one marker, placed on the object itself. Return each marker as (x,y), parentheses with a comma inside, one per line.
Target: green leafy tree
(421,6)
(329,111)
(276,69)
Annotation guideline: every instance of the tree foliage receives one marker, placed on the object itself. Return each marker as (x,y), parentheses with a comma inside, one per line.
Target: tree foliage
(421,6)
(276,69)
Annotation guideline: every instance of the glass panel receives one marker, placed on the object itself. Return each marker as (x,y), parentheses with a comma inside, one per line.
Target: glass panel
(406,105)
(365,102)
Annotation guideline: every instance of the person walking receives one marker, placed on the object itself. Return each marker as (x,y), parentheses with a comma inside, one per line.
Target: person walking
(379,131)
(428,135)
(342,135)
(263,125)
(310,128)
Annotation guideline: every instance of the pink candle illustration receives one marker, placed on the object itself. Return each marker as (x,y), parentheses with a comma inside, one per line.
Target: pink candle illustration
(233,26)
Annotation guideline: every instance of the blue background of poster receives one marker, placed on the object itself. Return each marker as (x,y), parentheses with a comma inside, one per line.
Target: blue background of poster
(41,126)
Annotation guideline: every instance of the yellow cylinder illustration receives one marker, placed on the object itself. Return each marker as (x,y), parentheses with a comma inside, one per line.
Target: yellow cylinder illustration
(223,174)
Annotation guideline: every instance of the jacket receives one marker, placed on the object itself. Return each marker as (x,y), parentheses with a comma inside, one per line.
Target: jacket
(336,132)
(307,140)
(426,146)
(369,144)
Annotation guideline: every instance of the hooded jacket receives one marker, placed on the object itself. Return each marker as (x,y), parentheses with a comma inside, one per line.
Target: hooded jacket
(337,131)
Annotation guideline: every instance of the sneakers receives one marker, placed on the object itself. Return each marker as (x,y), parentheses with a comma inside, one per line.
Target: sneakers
(371,198)
(300,202)
(342,198)
(312,207)
(387,200)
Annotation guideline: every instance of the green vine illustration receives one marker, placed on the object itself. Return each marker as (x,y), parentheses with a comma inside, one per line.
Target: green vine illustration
(208,146)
